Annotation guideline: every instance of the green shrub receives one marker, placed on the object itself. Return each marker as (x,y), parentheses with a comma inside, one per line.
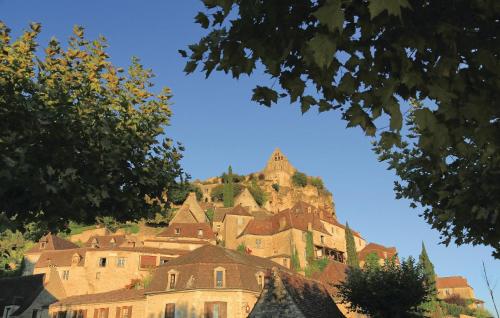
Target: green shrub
(295,260)
(217,193)
(210,215)
(131,228)
(108,222)
(318,183)
(258,194)
(242,248)
(299,179)
(276,187)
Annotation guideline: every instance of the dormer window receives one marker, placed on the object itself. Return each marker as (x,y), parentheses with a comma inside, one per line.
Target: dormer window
(200,232)
(95,243)
(113,241)
(220,277)
(322,238)
(75,259)
(173,276)
(177,231)
(43,245)
(260,279)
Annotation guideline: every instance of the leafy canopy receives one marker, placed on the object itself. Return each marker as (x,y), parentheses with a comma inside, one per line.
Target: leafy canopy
(352,255)
(390,290)
(367,59)
(80,137)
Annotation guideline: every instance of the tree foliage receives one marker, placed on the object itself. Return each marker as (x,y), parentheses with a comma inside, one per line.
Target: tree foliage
(428,269)
(352,255)
(299,179)
(258,194)
(390,290)
(80,137)
(366,59)
(228,189)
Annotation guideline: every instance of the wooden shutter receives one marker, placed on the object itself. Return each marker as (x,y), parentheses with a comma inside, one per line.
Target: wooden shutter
(148,261)
(170,310)
(118,312)
(209,307)
(222,309)
(129,311)
(96,313)
(84,313)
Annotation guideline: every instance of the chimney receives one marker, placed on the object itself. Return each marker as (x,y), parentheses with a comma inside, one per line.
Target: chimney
(309,226)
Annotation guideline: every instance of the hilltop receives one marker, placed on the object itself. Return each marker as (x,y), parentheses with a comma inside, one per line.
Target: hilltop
(278,186)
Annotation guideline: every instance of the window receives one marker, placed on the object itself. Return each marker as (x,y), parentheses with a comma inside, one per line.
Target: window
(258,243)
(177,231)
(219,279)
(42,245)
(101,313)
(124,312)
(285,262)
(260,280)
(98,275)
(79,314)
(65,275)
(170,310)
(200,232)
(171,279)
(322,239)
(120,262)
(215,309)
(35,313)
(9,310)
(163,260)
(61,314)
(102,261)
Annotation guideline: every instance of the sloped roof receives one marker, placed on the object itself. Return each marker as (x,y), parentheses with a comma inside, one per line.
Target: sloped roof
(246,199)
(195,269)
(195,208)
(452,282)
(106,240)
(188,230)
(310,296)
(284,220)
(238,210)
(52,242)
(333,274)
(382,252)
(220,213)
(107,297)
(20,291)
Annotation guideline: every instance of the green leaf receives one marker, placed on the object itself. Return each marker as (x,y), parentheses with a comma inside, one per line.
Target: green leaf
(323,48)
(190,67)
(306,102)
(183,53)
(202,19)
(391,107)
(393,7)
(264,95)
(331,15)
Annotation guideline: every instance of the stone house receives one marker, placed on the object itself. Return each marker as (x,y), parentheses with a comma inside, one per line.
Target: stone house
(277,237)
(49,242)
(246,200)
(190,212)
(93,270)
(183,236)
(457,286)
(29,296)
(286,295)
(384,253)
(210,281)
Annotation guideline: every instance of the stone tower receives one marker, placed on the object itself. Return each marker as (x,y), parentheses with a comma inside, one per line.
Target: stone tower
(279,169)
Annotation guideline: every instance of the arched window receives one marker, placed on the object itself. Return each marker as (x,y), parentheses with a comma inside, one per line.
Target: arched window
(260,279)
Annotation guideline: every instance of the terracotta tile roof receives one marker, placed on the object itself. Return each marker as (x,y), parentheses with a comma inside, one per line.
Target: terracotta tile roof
(107,297)
(20,291)
(51,242)
(220,213)
(332,274)
(238,210)
(104,241)
(260,214)
(451,282)
(285,220)
(381,251)
(195,270)
(190,230)
(64,258)
(311,297)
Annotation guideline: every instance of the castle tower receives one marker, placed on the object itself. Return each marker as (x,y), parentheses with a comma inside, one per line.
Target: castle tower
(279,169)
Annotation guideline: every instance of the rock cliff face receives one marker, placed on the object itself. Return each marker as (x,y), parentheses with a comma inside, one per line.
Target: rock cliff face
(276,181)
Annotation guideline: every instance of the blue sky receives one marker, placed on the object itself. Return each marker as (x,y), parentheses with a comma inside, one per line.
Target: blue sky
(219,125)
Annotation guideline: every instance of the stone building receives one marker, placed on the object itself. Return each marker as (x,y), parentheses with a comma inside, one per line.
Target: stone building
(285,295)
(208,282)
(383,253)
(278,169)
(456,286)
(93,270)
(29,296)
(183,236)
(277,236)
(49,242)
(246,200)
(190,212)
